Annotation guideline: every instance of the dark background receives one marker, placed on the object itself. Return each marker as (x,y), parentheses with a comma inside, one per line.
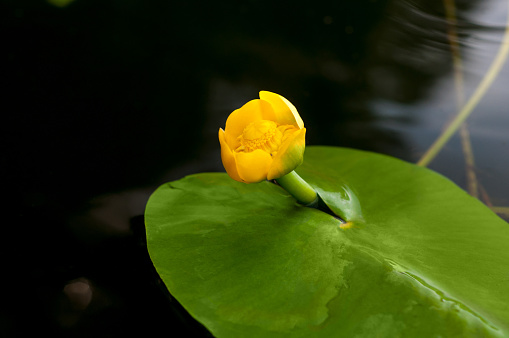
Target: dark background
(105,100)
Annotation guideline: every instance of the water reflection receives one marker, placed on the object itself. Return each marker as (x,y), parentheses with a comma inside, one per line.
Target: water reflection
(77,296)
(412,72)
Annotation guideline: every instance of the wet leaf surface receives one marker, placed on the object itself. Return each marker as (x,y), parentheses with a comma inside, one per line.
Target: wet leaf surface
(418,256)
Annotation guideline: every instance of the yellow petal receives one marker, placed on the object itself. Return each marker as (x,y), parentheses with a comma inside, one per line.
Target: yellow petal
(253,166)
(289,155)
(240,118)
(284,110)
(228,158)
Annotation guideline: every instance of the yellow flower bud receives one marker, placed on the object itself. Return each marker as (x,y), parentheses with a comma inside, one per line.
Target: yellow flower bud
(264,139)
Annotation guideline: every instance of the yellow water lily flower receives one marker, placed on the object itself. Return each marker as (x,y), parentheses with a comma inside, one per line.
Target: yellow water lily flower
(264,139)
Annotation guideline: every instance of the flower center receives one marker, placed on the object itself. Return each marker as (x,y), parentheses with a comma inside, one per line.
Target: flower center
(261,134)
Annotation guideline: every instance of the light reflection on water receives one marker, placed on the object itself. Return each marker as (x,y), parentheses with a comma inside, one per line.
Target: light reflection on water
(480,33)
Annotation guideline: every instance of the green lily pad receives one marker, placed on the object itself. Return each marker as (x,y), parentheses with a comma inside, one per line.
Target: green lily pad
(418,257)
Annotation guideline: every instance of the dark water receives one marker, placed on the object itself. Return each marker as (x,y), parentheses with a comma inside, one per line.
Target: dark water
(105,100)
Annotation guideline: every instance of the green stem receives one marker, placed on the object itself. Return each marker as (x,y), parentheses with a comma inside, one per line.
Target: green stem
(298,188)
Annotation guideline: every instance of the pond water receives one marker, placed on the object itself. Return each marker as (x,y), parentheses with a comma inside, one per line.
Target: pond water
(108,99)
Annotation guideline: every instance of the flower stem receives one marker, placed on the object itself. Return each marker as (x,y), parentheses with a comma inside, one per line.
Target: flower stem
(298,188)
